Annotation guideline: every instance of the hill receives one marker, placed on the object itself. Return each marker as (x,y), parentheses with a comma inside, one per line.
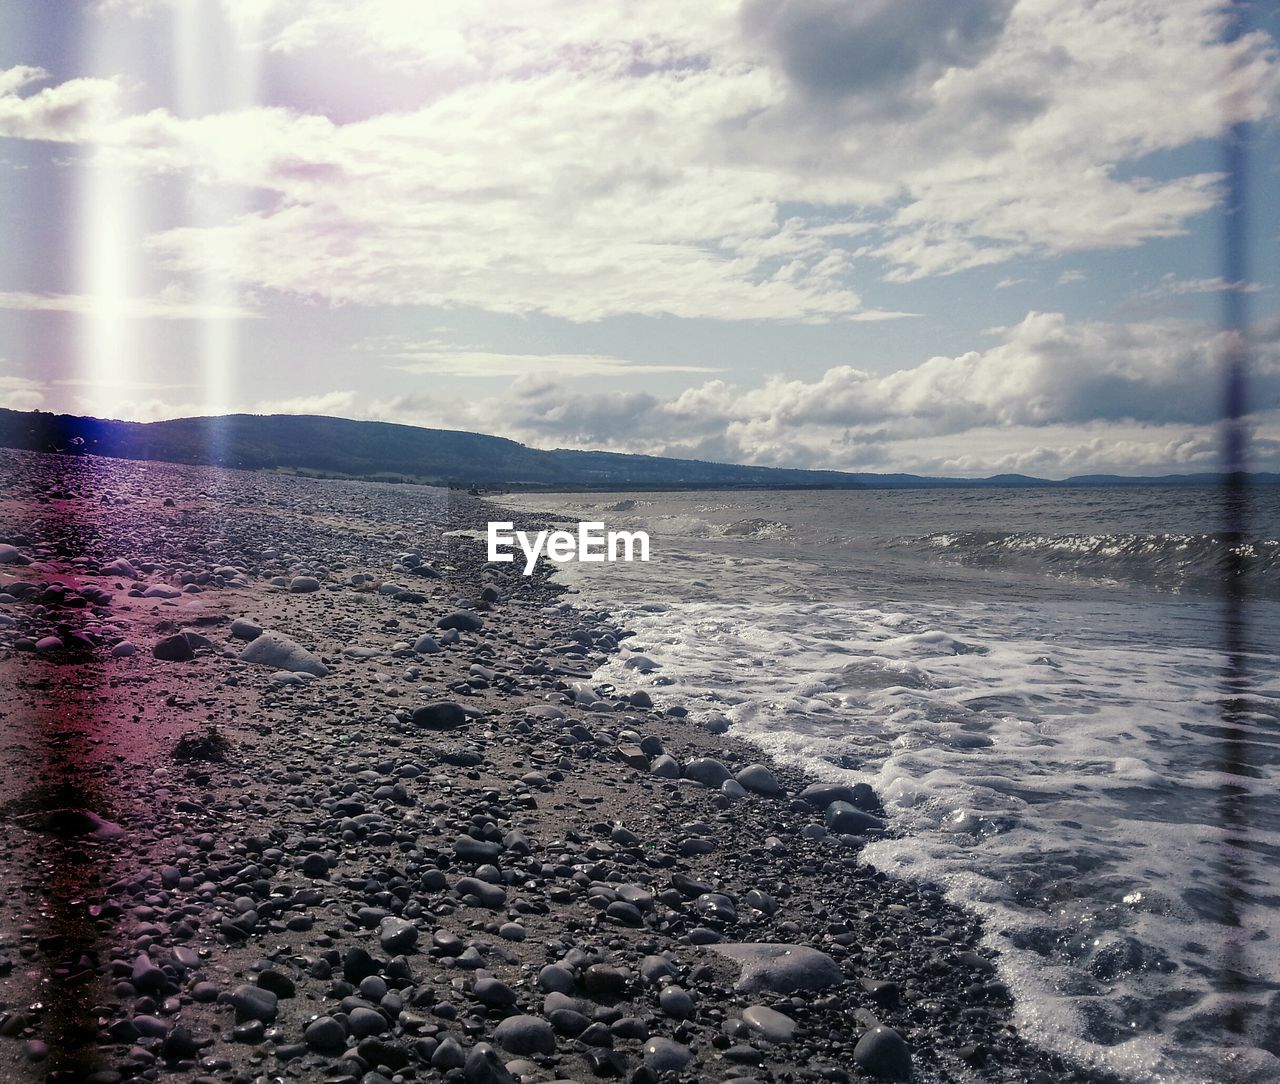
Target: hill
(340,447)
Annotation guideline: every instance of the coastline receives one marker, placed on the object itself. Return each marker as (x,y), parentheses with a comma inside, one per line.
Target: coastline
(160,945)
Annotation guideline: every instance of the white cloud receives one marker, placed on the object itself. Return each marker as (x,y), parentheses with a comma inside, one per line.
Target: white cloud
(420,359)
(21,393)
(1050,397)
(166,306)
(1170,285)
(70,112)
(621,158)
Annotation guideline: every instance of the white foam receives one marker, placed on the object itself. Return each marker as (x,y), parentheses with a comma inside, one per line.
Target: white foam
(1051,761)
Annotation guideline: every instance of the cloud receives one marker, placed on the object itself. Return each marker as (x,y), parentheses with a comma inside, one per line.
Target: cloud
(170,306)
(424,358)
(876,48)
(20,393)
(70,112)
(1170,285)
(689,160)
(1050,396)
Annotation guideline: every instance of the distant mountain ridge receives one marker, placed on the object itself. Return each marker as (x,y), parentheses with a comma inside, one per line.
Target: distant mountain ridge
(342,447)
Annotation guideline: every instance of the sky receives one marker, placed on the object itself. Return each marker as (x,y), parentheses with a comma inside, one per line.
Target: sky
(888,235)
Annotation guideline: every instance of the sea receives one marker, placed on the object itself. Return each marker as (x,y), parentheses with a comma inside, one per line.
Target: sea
(1032,680)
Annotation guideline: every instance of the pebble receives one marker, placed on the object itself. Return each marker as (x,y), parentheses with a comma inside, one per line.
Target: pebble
(525,1035)
(707,770)
(175,648)
(845,817)
(441,715)
(759,779)
(783,968)
(884,1054)
(666,1055)
(769,1024)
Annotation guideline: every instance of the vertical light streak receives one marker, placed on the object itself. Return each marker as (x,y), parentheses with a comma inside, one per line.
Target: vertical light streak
(217,69)
(108,240)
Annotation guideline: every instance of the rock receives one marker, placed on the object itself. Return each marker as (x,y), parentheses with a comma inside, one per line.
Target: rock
(769,1024)
(844,817)
(783,968)
(665,767)
(10,555)
(462,620)
(640,699)
(665,1055)
(303,585)
(441,715)
(397,936)
(254,1003)
(494,993)
(315,865)
(364,1022)
(676,1002)
(821,795)
(601,980)
(525,1035)
(884,1054)
(326,1035)
(483,1066)
(707,770)
(175,648)
(758,778)
(490,896)
(146,976)
(123,650)
(179,1044)
(426,645)
(244,629)
(280,653)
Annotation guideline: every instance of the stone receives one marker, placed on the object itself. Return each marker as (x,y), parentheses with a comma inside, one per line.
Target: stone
(397,936)
(254,1003)
(884,1054)
(426,645)
(123,650)
(525,1035)
(441,715)
(759,779)
(175,648)
(666,1055)
(244,629)
(462,620)
(281,653)
(769,1024)
(483,1066)
(783,968)
(365,1022)
(707,770)
(10,555)
(845,817)
(303,585)
(665,767)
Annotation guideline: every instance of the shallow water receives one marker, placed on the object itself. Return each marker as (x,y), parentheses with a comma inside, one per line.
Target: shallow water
(1031,681)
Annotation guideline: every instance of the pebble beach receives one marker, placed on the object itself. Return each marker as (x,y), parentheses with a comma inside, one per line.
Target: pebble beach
(295,785)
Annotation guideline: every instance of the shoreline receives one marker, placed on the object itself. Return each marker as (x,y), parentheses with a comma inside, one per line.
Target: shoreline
(414,887)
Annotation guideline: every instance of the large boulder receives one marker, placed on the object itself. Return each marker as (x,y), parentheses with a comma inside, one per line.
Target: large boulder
(280,653)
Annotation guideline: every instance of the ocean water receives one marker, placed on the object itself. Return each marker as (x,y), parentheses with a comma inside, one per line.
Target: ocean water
(1032,682)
